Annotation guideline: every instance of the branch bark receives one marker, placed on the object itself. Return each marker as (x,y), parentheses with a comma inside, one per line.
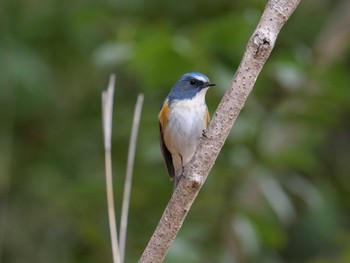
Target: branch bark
(258,49)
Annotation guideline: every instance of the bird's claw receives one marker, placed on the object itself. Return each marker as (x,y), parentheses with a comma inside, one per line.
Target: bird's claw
(204,134)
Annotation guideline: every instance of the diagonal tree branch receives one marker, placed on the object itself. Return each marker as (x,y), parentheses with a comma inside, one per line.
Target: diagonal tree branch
(258,49)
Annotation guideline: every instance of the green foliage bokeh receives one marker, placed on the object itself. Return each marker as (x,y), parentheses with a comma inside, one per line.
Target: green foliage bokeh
(279,191)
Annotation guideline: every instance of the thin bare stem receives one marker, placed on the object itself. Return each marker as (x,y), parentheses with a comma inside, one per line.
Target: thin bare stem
(128,176)
(107,113)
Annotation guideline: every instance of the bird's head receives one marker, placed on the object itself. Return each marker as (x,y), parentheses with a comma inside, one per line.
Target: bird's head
(189,85)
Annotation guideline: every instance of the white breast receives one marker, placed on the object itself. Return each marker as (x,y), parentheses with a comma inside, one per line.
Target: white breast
(186,123)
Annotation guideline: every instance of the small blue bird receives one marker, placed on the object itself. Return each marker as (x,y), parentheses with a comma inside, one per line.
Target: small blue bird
(182,119)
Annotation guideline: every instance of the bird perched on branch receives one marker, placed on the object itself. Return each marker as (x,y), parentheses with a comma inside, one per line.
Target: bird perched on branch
(182,119)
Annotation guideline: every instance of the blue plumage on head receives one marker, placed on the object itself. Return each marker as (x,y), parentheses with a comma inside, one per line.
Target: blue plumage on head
(188,86)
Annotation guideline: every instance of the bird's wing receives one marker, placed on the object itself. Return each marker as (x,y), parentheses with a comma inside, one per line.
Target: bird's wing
(163,118)
(207,118)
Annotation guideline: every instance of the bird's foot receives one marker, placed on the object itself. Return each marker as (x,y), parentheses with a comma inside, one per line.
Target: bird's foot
(183,172)
(204,134)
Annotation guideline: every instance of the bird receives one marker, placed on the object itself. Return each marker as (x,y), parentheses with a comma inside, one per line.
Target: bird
(183,118)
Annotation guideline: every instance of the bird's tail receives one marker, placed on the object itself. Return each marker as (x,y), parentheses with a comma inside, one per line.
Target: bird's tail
(176,181)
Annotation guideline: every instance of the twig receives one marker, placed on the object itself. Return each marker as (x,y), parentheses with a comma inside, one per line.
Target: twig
(107,113)
(128,177)
(258,50)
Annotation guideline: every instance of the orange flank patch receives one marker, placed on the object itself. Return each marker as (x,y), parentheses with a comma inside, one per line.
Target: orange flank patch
(163,114)
(207,118)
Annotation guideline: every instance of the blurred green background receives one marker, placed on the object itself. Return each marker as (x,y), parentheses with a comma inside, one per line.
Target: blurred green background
(279,191)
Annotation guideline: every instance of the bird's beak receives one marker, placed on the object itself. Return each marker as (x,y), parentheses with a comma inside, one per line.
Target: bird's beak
(210,85)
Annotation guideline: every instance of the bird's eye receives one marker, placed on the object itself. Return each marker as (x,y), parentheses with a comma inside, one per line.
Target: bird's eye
(193,81)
